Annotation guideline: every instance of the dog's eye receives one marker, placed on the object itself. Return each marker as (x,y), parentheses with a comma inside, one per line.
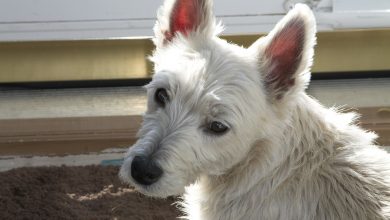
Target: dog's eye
(161,97)
(217,127)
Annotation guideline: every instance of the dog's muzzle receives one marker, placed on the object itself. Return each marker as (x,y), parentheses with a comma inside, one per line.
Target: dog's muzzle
(144,171)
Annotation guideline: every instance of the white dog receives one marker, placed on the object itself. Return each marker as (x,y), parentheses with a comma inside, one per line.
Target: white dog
(233,130)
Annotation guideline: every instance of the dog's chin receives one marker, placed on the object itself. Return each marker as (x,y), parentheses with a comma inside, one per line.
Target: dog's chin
(159,189)
(155,191)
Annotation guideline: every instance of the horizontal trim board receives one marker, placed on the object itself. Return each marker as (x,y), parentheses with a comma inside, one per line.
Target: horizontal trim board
(106,157)
(352,93)
(61,148)
(71,103)
(350,75)
(77,84)
(69,129)
(144,81)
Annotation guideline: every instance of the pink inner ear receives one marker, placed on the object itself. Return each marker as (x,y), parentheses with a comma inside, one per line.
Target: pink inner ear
(184,18)
(284,55)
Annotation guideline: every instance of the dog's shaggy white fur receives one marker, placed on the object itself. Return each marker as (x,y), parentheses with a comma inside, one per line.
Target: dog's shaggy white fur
(275,152)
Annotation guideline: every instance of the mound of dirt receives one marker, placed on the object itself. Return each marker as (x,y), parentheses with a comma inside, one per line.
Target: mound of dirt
(90,192)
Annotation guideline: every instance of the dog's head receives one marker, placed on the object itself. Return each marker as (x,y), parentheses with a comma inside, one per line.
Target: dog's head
(210,100)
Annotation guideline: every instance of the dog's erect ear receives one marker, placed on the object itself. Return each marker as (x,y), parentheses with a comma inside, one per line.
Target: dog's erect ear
(285,54)
(183,17)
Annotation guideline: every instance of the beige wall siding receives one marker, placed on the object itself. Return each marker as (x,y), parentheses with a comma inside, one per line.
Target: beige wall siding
(362,50)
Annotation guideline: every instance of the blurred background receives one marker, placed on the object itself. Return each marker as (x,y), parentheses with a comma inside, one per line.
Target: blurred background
(71,71)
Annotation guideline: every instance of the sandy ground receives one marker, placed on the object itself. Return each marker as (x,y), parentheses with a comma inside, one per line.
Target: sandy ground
(90,192)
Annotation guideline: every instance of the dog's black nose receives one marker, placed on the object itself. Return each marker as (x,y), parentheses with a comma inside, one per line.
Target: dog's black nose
(145,171)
